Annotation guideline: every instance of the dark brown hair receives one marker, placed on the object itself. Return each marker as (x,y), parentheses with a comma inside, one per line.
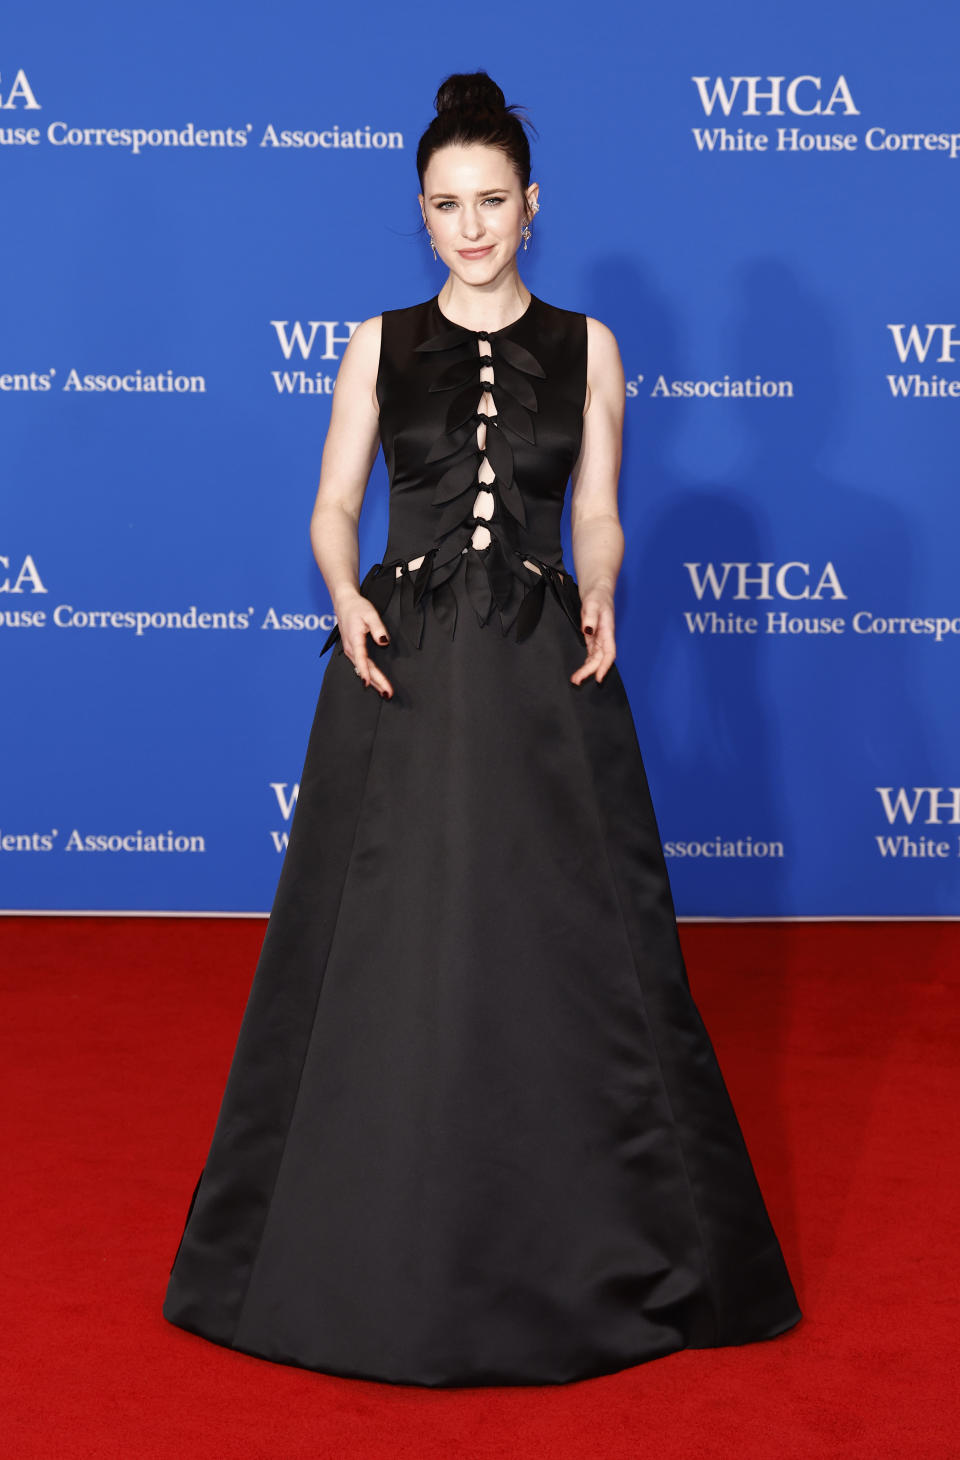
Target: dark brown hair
(471,109)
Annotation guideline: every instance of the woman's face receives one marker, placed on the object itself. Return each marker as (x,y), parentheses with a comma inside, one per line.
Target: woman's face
(473,205)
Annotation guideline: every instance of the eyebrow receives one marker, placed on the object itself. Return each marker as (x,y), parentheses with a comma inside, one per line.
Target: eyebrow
(482,194)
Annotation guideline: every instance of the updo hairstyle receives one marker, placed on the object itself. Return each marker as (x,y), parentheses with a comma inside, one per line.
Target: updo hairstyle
(471,110)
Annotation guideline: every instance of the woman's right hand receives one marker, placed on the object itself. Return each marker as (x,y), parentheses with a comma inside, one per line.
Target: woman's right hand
(356,618)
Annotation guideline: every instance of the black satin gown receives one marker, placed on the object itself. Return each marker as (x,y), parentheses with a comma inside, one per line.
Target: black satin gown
(474,1130)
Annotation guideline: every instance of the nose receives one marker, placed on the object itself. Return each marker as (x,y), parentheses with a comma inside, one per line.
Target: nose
(472,225)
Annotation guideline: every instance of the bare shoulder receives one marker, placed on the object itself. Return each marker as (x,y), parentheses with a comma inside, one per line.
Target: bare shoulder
(357,373)
(355,387)
(365,340)
(605,377)
(601,341)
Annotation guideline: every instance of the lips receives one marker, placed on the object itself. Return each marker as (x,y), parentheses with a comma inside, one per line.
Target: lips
(474,253)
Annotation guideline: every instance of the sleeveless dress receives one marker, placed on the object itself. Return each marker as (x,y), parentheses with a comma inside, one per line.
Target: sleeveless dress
(474,1130)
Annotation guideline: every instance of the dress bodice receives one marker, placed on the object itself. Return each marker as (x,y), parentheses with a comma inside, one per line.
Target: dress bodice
(480,430)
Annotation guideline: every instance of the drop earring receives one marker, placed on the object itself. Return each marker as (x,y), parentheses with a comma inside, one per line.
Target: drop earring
(525,231)
(434,247)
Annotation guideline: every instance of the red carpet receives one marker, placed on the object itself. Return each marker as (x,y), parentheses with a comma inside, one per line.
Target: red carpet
(839,1043)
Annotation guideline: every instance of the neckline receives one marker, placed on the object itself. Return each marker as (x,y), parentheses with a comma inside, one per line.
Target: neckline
(486,334)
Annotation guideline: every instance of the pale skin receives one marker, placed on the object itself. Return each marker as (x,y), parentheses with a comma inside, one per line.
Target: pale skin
(472,199)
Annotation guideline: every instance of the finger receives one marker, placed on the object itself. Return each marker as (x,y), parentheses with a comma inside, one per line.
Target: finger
(609,656)
(380,682)
(365,668)
(595,621)
(604,642)
(377,678)
(593,659)
(601,655)
(377,630)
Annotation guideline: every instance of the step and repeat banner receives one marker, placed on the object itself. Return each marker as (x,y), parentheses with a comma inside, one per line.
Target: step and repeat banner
(201,204)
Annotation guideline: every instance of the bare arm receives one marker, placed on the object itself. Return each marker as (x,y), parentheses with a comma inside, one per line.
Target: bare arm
(348,456)
(595,528)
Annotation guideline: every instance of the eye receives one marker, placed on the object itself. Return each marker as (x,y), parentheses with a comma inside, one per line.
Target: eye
(495,200)
(446,204)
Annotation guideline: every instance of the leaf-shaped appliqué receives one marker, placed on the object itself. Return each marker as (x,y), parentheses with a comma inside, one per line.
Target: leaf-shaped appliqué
(447,444)
(513,415)
(456,479)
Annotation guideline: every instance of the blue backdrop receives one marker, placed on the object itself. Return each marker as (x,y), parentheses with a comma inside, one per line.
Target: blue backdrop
(199,205)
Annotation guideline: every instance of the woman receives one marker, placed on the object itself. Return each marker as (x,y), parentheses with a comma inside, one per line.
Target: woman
(474,1131)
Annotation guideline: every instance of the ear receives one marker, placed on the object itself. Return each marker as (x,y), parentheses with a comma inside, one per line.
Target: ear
(532,196)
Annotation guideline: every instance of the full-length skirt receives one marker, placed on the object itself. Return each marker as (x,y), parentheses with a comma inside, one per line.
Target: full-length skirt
(474,1130)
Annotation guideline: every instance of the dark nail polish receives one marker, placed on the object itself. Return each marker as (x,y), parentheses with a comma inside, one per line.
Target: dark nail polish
(384,695)
(384,640)
(588,629)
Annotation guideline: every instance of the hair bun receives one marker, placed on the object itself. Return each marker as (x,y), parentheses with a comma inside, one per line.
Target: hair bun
(471,111)
(472,91)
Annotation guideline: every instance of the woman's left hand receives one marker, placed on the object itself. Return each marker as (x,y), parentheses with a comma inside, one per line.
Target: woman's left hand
(596,620)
